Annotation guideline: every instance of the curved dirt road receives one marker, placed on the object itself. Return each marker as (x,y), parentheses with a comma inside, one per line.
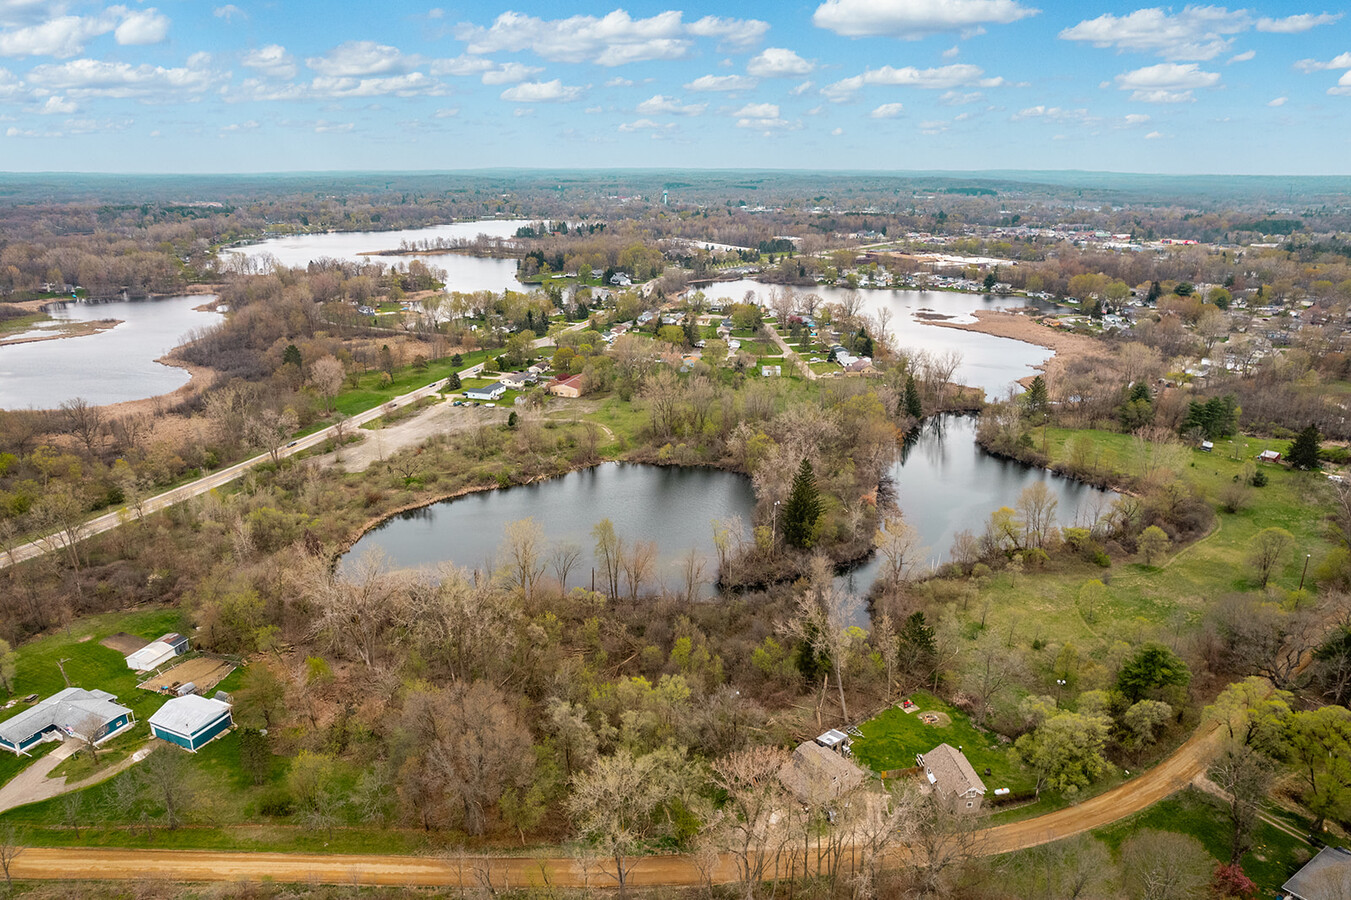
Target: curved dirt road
(65,864)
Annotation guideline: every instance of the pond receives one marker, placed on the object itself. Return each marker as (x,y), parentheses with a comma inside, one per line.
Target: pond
(944,484)
(463,273)
(108,367)
(672,506)
(988,362)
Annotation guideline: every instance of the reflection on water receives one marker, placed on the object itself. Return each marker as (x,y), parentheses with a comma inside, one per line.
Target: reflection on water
(107,367)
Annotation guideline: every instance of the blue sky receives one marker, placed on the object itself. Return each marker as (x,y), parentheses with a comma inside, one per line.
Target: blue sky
(251,86)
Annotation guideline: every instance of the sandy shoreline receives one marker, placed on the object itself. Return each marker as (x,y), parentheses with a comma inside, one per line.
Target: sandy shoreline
(1067,347)
(73,329)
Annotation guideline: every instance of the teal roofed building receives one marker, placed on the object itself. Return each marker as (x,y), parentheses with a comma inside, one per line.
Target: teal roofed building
(191,721)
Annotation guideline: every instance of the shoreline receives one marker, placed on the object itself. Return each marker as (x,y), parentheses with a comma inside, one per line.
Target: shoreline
(70,330)
(1065,347)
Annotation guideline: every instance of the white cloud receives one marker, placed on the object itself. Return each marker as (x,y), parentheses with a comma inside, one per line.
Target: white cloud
(1342,61)
(146,26)
(933,127)
(272,61)
(887,111)
(460,65)
(1056,114)
(510,73)
(238,127)
(1343,86)
(1197,32)
(952,52)
(837,132)
(436,12)
(646,125)
(802,88)
(721,83)
(446,112)
(1297,24)
(961,98)
(410,84)
(1166,82)
(663,105)
(61,37)
(1245,56)
(542,92)
(57,106)
(1279,101)
(323,127)
(914,19)
(1154,135)
(618,83)
(96,78)
(758,111)
(354,59)
(941,78)
(1136,119)
(612,40)
(778,62)
(229,12)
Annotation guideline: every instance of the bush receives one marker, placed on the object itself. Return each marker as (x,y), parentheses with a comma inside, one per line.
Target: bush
(276,803)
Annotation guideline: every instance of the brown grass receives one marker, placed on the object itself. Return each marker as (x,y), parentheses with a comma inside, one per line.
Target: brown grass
(206,672)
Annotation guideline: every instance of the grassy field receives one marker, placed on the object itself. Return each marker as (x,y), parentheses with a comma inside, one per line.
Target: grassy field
(891,740)
(1276,854)
(370,391)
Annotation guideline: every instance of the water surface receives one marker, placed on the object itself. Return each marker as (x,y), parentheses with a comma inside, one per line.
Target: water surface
(110,366)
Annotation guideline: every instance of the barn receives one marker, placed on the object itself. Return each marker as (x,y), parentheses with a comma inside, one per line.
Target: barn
(191,721)
(73,712)
(157,652)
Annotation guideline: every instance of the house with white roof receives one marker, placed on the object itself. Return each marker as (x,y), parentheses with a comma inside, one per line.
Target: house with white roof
(74,712)
(191,721)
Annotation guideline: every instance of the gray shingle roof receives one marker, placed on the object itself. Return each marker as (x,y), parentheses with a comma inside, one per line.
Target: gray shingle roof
(952,772)
(1325,877)
(816,775)
(186,715)
(67,709)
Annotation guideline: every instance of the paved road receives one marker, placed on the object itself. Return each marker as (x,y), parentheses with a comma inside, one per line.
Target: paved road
(1176,772)
(217,479)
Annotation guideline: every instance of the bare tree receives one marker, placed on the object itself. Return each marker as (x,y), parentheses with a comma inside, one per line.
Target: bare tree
(84,422)
(942,841)
(563,558)
(165,778)
(354,609)
(638,564)
(748,825)
(1037,504)
(1163,865)
(327,374)
(270,429)
(10,850)
(691,575)
(609,553)
(898,542)
(523,545)
(1243,774)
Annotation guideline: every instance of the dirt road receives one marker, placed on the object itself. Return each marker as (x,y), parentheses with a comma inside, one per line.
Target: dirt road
(1171,775)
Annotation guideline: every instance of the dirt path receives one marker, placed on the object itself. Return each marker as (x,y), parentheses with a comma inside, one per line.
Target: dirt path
(791,354)
(1168,777)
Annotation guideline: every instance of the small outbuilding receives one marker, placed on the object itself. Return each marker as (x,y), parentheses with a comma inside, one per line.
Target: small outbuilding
(1270,456)
(73,712)
(1325,877)
(157,652)
(953,777)
(191,721)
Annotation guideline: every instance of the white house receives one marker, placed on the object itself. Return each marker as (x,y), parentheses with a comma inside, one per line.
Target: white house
(491,392)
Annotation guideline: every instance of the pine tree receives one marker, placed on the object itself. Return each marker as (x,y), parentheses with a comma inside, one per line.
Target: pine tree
(1303,453)
(802,509)
(1037,398)
(453,382)
(913,406)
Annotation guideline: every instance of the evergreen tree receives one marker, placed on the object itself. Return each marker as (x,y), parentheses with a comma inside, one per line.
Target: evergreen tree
(913,406)
(990,281)
(1155,292)
(863,345)
(802,509)
(457,360)
(1303,453)
(917,645)
(453,382)
(1037,398)
(291,356)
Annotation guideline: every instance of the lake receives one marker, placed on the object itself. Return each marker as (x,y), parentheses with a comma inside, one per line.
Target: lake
(988,362)
(944,484)
(109,367)
(463,273)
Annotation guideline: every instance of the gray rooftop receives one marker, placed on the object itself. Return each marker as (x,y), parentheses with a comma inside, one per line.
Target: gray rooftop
(67,709)
(952,771)
(1325,877)
(185,715)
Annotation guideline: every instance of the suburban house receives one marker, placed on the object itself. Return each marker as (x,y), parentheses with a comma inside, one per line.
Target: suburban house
(518,381)
(770,371)
(191,721)
(491,392)
(571,386)
(73,712)
(953,777)
(815,774)
(1325,877)
(157,652)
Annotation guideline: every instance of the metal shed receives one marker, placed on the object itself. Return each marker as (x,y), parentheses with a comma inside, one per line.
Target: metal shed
(191,721)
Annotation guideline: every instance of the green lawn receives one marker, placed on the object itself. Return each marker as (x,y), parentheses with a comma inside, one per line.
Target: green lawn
(369,391)
(1276,855)
(891,740)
